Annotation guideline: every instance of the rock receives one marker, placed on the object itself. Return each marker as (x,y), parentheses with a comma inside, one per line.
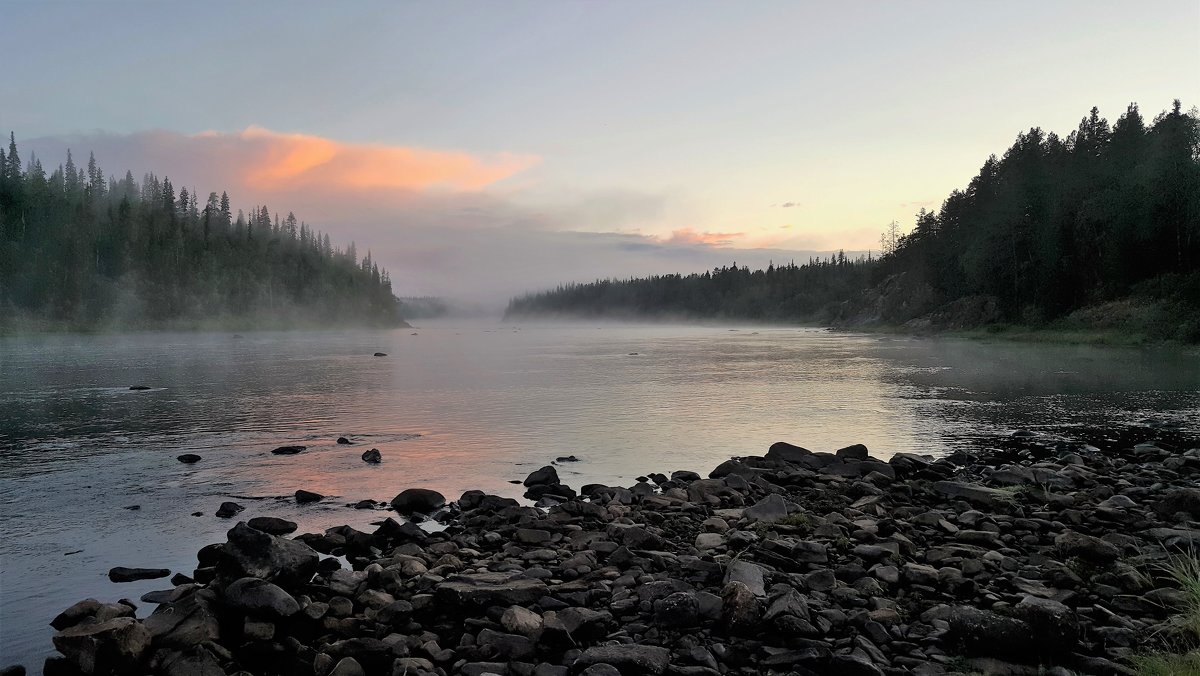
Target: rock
(272,525)
(853,452)
(768,510)
(253,595)
(413,500)
(289,450)
(518,620)
(782,450)
(188,458)
(541,477)
(13,670)
(983,632)
(228,509)
(981,495)
(372,456)
(1186,500)
(78,612)
(749,574)
(380,354)
(344,441)
(197,660)
(253,553)
(789,603)
(1053,623)
(115,645)
(627,658)
(490,589)
(1087,547)
(186,622)
(566,458)
(123,574)
(304,497)
(348,666)
(678,610)
(139,388)
(740,609)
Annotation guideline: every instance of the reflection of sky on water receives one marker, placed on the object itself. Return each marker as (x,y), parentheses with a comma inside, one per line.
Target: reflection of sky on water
(488,405)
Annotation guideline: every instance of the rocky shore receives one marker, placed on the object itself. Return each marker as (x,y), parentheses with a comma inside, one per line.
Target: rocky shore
(1031,556)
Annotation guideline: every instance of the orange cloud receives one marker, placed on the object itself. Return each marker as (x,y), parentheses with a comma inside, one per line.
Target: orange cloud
(690,236)
(300,160)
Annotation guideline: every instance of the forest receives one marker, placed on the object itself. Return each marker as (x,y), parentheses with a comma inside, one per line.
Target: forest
(82,250)
(1099,227)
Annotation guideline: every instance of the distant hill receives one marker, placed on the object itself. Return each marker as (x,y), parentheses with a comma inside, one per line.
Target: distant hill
(1100,228)
(84,251)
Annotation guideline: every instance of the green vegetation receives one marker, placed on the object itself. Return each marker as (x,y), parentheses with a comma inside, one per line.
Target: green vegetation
(1097,232)
(82,251)
(1184,569)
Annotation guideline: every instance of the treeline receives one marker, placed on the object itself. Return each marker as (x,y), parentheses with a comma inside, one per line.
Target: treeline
(1054,226)
(779,293)
(81,250)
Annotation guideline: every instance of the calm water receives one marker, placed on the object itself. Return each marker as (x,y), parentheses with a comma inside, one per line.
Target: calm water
(468,406)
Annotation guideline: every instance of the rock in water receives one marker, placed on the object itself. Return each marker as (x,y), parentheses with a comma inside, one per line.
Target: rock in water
(228,509)
(372,456)
(253,553)
(188,458)
(344,441)
(381,354)
(304,497)
(289,450)
(544,476)
(418,500)
(123,574)
(272,525)
(139,388)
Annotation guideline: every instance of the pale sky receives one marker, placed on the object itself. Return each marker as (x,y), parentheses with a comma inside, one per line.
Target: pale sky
(641,136)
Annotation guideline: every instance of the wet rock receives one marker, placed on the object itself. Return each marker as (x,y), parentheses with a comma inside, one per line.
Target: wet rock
(853,452)
(380,354)
(77,613)
(545,476)
(414,500)
(272,525)
(781,450)
(188,458)
(372,456)
(289,450)
(304,497)
(139,388)
(253,595)
(229,509)
(627,658)
(123,574)
(566,458)
(253,553)
(115,645)
(344,441)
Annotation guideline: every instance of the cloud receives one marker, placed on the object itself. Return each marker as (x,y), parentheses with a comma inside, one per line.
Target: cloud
(789,205)
(690,236)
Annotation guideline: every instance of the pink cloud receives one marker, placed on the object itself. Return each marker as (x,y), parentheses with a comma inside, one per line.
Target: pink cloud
(690,236)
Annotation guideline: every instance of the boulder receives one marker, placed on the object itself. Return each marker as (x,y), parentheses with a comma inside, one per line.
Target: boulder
(304,497)
(253,595)
(1086,547)
(228,509)
(413,500)
(980,495)
(541,477)
(253,553)
(853,452)
(272,525)
(1186,500)
(740,609)
(768,510)
(490,589)
(372,456)
(344,441)
(782,450)
(188,458)
(112,646)
(627,658)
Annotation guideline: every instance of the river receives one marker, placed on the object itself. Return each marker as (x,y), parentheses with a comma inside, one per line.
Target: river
(455,406)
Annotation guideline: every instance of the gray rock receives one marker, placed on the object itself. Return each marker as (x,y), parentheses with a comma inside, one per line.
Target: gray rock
(768,510)
(1186,500)
(253,553)
(678,610)
(740,608)
(627,658)
(1087,547)
(749,574)
(415,500)
(348,666)
(541,477)
(980,495)
(783,451)
(115,645)
(272,525)
(853,452)
(250,594)
(518,620)
(196,660)
(490,589)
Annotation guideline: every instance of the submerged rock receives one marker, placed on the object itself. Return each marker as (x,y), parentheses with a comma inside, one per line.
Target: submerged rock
(372,456)
(289,450)
(188,458)
(123,574)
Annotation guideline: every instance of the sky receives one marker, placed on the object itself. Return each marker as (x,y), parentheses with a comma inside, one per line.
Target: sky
(481,149)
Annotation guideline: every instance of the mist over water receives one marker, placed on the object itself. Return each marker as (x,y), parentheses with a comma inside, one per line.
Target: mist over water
(456,406)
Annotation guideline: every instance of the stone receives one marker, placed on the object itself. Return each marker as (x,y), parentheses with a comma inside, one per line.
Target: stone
(853,452)
(188,458)
(1176,500)
(372,456)
(980,495)
(115,645)
(490,589)
(289,450)
(768,510)
(1087,547)
(304,497)
(344,441)
(348,666)
(253,553)
(545,476)
(196,660)
(413,500)
(740,609)
(678,610)
(627,658)
(518,620)
(229,509)
(749,574)
(272,525)
(77,613)
(123,574)
(252,595)
(783,451)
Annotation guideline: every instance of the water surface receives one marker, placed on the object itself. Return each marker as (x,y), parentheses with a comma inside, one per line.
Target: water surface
(454,407)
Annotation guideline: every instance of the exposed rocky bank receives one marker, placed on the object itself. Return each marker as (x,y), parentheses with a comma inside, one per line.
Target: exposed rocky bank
(1037,557)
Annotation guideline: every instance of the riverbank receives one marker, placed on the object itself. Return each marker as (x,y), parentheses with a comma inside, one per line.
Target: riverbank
(1038,553)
